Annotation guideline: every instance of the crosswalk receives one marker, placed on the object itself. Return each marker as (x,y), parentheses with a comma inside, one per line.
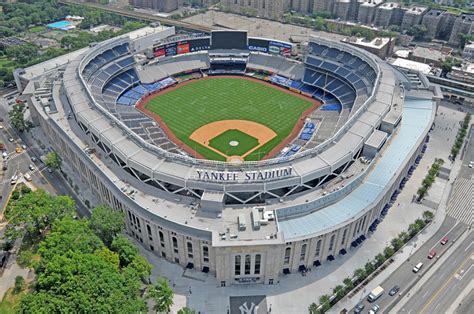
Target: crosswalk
(461,205)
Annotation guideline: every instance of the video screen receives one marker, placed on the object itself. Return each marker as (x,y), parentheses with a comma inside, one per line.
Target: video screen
(229,40)
(199,44)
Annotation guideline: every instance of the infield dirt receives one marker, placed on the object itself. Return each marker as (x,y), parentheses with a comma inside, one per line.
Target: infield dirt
(141,105)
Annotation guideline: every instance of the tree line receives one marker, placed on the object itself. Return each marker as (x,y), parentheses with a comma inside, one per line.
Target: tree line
(16,19)
(81,265)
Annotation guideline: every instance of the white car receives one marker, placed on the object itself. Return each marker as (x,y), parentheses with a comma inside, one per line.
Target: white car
(471,164)
(27,177)
(31,167)
(14,179)
(374,309)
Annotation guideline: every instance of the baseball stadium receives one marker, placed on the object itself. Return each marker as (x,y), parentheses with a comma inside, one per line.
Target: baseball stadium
(247,158)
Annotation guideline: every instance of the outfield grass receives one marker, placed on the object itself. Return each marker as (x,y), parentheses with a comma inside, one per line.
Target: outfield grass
(222,143)
(193,105)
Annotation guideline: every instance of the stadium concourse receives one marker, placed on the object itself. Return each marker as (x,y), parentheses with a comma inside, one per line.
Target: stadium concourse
(250,221)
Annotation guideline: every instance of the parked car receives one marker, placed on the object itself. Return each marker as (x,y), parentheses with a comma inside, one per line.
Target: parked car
(27,177)
(432,254)
(33,159)
(374,309)
(394,290)
(14,179)
(359,308)
(444,240)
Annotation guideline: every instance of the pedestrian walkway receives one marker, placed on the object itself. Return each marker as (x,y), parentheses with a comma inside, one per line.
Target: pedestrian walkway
(461,205)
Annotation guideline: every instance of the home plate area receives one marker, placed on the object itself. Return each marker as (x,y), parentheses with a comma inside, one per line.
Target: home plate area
(253,304)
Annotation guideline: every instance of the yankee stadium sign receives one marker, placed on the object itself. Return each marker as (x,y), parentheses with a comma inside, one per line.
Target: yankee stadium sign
(243,176)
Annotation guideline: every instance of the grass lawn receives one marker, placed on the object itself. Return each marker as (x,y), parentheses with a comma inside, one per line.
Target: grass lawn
(193,105)
(37,29)
(222,143)
(11,302)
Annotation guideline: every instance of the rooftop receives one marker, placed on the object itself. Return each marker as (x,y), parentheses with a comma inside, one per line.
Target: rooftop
(467,68)
(372,3)
(417,115)
(416,10)
(375,43)
(431,53)
(412,65)
(389,5)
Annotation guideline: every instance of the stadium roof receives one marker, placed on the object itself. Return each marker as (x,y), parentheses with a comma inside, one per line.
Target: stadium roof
(416,118)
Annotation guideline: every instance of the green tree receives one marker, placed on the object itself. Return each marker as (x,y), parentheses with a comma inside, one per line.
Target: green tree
(369,268)
(125,249)
(69,235)
(17,119)
(379,259)
(348,283)
(162,294)
(339,291)
(360,273)
(53,160)
(109,256)
(388,252)
(428,215)
(19,284)
(313,308)
(403,236)
(140,267)
(186,310)
(36,211)
(325,302)
(396,243)
(106,223)
(22,53)
(77,282)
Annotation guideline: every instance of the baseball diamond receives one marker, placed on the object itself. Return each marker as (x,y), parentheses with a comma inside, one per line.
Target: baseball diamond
(248,164)
(186,108)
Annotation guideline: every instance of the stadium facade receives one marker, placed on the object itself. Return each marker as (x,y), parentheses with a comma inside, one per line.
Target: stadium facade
(249,222)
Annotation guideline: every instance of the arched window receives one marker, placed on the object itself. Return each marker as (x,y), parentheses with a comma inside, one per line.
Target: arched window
(247,264)
(331,243)
(303,252)
(258,261)
(344,236)
(318,248)
(189,247)
(175,244)
(205,254)
(237,262)
(162,237)
(287,255)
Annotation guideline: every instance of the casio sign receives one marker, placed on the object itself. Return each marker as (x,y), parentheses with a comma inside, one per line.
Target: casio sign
(256,48)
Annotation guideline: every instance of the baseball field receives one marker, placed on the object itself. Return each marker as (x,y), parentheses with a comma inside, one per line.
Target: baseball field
(221,118)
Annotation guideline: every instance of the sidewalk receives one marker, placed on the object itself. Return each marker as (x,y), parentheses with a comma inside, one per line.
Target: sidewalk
(406,251)
(294,293)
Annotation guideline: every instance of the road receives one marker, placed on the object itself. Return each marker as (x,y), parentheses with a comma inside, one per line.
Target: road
(449,281)
(53,182)
(404,276)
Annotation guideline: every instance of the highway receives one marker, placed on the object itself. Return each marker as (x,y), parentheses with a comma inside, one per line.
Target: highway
(19,163)
(404,276)
(142,16)
(448,281)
